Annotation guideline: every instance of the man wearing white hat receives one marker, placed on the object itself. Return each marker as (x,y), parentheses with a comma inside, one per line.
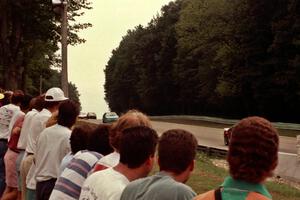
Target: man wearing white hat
(52,146)
(53,97)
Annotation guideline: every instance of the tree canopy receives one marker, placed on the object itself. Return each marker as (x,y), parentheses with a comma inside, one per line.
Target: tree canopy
(211,57)
(29,41)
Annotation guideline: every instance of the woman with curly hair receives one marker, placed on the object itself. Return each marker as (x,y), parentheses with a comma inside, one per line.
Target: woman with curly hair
(252,157)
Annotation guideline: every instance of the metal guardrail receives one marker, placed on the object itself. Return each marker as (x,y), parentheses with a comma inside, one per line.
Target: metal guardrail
(211,151)
(280,125)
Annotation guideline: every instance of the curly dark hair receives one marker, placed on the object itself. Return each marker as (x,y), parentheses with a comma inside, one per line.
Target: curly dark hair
(253,150)
(176,150)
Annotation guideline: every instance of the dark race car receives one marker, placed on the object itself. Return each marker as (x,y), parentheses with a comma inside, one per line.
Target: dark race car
(227,135)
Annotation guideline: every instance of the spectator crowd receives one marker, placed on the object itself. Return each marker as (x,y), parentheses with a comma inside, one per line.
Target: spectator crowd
(45,155)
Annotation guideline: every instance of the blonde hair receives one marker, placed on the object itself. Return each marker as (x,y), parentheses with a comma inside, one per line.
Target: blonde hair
(130,119)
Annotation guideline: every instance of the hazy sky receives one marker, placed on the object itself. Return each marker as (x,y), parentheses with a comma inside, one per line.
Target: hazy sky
(111,19)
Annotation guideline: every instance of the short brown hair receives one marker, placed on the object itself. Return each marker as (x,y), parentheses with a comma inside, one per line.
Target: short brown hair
(79,138)
(38,102)
(67,113)
(253,150)
(131,118)
(176,150)
(17,97)
(136,145)
(99,140)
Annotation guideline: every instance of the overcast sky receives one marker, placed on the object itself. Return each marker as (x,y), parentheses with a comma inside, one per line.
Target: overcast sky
(111,19)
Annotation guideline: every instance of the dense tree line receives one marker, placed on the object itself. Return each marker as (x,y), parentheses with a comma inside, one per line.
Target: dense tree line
(29,41)
(211,57)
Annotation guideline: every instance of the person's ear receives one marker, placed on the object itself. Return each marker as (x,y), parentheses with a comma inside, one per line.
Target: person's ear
(192,165)
(148,165)
(151,160)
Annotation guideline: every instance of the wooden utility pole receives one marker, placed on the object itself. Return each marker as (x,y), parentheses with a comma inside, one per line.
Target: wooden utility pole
(64,48)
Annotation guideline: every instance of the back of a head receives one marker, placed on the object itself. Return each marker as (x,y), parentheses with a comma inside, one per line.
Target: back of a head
(67,113)
(17,97)
(38,102)
(253,150)
(79,138)
(2,96)
(137,144)
(55,94)
(53,97)
(7,98)
(99,140)
(25,103)
(176,150)
(131,118)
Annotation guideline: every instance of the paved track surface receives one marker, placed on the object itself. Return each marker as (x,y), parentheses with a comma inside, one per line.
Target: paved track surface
(213,137)
(288,166)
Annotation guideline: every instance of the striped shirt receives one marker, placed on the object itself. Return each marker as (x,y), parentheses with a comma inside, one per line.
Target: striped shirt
(68,185)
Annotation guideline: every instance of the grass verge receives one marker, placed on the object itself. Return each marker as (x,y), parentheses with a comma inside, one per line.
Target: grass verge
(207,176)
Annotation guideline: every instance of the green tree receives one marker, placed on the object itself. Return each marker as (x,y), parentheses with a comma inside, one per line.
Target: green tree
(139,73)
(214,57)
(121,74)
(29,37)
(204,51)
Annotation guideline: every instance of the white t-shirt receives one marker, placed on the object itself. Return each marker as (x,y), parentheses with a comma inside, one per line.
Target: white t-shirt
(6,114)
(107,184)
(37,125)
(52,146)
(26,129)
(107,161)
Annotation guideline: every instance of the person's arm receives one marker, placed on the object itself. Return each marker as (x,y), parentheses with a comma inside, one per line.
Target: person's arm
(16,131)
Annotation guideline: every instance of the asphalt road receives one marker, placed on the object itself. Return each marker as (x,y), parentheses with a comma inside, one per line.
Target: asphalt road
(213,137)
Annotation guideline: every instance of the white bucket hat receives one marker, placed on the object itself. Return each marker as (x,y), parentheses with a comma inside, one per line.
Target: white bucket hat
(55,94)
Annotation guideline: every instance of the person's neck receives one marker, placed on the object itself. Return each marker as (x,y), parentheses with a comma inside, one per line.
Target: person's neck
(177,177)
(18,104)
(52,110)
(131,174)
(64,126)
